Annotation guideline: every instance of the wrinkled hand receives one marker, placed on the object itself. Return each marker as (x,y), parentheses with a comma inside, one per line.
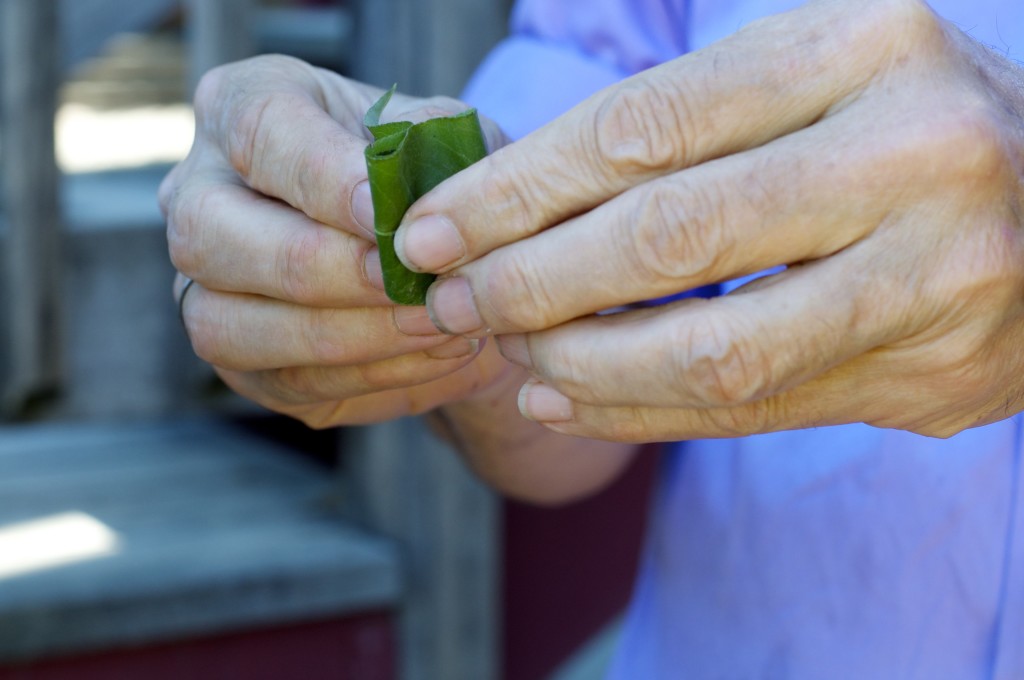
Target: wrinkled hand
(869,146)
(270,215)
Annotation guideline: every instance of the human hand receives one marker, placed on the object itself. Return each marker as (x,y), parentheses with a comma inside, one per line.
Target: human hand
(870,146)
(270,216)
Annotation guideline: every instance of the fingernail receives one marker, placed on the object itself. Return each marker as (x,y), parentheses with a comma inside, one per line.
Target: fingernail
(454,348)
(514,348)
(429,244)
(362,209)
(451,306)
(544,404)
(372,269)
(414,321)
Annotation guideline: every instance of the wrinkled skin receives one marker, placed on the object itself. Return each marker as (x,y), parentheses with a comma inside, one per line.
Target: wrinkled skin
(870,147)
(270,215)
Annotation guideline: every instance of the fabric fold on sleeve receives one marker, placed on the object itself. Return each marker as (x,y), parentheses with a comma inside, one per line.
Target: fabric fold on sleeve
(526,82)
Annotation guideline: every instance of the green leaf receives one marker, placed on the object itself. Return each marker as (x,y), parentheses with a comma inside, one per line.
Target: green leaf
(405,161)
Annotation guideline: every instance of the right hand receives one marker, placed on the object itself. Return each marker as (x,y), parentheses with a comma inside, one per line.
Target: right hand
(270,215)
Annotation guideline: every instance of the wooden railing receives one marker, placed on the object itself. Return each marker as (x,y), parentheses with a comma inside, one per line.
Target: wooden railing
(405,484)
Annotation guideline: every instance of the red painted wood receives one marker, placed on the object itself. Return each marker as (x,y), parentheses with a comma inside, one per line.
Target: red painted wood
(356,648)
(569,570)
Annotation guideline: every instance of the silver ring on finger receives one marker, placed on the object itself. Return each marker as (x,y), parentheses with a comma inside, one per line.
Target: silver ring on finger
(181,299)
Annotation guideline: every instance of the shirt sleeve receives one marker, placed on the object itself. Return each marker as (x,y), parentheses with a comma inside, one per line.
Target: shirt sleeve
(559,53)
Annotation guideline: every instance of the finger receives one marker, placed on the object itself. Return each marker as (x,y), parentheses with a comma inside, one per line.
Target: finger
(308,385)
(411,400)
(673,116)
(781,203)
(270,122)
(417,110)
(889,388)
(248,332)
(815,404)
(730,350)
(233,239)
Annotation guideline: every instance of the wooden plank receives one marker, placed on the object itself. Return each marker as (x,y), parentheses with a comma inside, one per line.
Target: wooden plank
(29,364)
(196,584)
(412,488)
(207,529)
(177,473)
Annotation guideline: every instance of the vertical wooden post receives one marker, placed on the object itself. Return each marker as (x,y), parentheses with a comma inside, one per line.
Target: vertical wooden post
(31,262)
(457,47)
(221,32)
(428,47)
(385,42)
(407,485)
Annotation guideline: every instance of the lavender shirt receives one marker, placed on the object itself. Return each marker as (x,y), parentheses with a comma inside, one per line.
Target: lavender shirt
(843,552)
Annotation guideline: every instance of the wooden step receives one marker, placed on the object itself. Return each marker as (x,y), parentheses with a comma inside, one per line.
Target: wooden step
(121,535)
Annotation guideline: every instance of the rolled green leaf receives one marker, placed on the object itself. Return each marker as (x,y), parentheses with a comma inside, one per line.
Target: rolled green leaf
(405,161)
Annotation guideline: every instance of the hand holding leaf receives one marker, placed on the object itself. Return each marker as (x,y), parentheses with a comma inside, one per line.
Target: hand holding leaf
(405,161)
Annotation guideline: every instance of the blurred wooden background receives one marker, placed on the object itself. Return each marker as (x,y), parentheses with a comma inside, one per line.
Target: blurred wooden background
(151,523)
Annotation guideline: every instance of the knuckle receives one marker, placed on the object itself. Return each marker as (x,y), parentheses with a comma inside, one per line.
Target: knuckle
(940,423)
(679,237)
(977,278)
(236,103)
(640,128)
(954,386)
(636,426)
(316,164)
(327,416)
(512,197)
(377,376)
(966,369)
(969,139)
(517,294)
(190,210)
(208,341)
(901,24)
(911,16)
(247,132)
(301,266)
(317,421)
(720,366)
(299,384)
(753,418)
(210,90)
(565,367)
(939,430)
(325,343)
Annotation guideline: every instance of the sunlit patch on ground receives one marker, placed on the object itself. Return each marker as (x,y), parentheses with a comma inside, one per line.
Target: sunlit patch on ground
(53,541)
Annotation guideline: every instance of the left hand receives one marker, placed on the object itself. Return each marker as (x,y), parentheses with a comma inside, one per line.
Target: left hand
(869,146)
(270,216)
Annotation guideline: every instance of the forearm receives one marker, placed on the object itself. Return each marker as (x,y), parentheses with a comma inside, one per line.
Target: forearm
(520,458)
